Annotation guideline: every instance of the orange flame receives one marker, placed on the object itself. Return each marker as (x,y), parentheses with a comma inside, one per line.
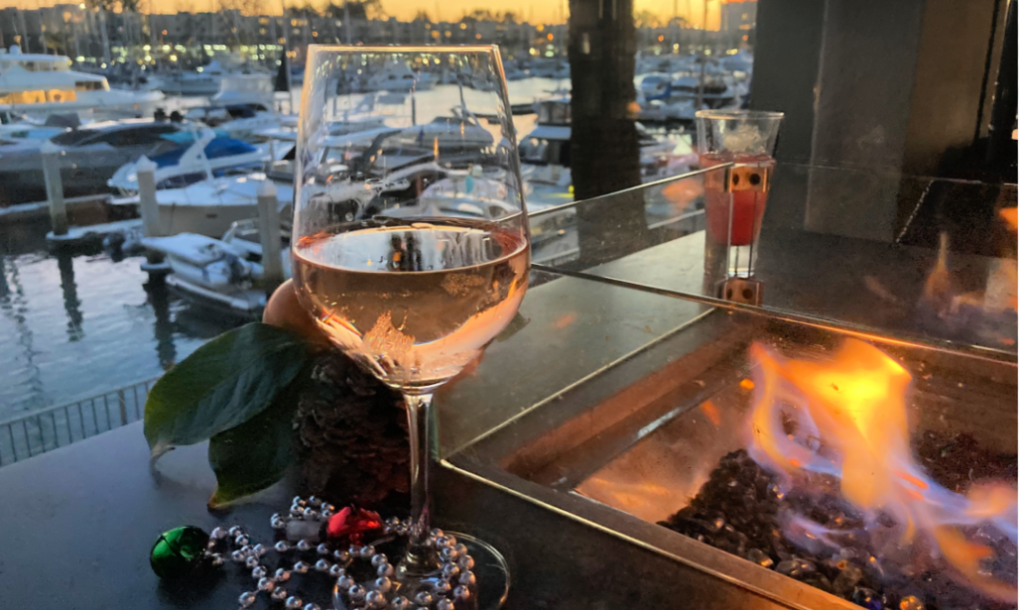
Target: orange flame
(1009,216)
(851,420)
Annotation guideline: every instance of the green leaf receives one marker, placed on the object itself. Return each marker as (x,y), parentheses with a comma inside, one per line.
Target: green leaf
(222,384)
(254,455)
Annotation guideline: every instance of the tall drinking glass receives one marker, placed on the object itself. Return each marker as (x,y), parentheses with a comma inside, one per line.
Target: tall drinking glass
(735,197)
(410,239)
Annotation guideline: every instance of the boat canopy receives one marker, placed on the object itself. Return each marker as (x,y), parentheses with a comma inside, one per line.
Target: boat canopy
(215,149)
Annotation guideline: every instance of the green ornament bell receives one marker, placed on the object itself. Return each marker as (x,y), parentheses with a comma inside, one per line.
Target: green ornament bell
(178,551)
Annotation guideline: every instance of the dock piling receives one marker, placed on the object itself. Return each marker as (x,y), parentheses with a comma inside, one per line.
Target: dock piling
(270,236)
(145,171)
(54,187)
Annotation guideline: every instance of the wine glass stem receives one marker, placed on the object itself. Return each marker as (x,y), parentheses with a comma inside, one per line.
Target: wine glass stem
(421,556)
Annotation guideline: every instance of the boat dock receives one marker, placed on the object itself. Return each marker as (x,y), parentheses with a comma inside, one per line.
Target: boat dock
(92,235)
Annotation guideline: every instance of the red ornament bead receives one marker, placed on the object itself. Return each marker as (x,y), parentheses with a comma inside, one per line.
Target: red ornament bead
(349,525)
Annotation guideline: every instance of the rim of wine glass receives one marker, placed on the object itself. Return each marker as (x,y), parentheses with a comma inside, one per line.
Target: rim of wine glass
(739,114)
(343,48)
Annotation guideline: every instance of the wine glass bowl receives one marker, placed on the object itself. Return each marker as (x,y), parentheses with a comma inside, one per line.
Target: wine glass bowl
(413,301)
(410,238)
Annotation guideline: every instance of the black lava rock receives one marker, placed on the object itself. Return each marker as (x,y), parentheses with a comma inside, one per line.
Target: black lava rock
(741,509)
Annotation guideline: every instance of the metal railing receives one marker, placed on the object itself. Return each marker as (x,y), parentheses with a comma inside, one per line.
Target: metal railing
(41,431)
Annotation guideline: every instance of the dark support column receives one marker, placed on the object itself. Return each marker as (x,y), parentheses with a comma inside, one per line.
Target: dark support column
(877,88)
(786,55)
(1004,106)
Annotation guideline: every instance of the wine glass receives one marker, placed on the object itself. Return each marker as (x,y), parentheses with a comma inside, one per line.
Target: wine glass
(410,238)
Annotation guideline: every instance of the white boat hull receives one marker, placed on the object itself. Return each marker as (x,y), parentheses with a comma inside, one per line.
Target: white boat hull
(98,106)
(210,220)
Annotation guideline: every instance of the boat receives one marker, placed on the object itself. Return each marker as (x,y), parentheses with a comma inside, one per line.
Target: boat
(716,94)
(544,151)
(459,138)
(40,85)
(242,121)
(23,129)
(655,86)
(205,81)
(475,193)
(399,77)
(90,155)
(238,89)
(225,274)
(209,206)
(199,156)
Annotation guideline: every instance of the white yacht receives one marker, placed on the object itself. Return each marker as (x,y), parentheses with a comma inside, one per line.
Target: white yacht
(399,77)
(210,206)
(252,88)
(449,136)
(545,150)
(41,85)
(206,80)
(202,155)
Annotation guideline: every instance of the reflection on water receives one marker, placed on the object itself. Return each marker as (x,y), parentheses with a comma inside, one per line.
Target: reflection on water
(71,302)
(75,326)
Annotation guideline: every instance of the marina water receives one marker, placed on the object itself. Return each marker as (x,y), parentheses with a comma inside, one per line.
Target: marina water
(76,326)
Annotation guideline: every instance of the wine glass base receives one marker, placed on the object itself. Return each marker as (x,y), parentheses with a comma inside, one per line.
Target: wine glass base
(493,576)
(491,571)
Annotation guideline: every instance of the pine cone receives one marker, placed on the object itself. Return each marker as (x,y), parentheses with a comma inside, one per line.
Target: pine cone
(353,436)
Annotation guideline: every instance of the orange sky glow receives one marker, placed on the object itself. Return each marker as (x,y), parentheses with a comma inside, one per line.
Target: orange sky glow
(535,11)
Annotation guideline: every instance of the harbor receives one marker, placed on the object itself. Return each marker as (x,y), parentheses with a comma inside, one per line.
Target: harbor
(215,137)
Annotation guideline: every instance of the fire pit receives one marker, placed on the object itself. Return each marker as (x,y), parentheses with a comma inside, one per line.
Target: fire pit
(790,454)
(827,490)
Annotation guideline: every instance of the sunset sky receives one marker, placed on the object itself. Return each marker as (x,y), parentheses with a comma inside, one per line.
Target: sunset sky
(546,11)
